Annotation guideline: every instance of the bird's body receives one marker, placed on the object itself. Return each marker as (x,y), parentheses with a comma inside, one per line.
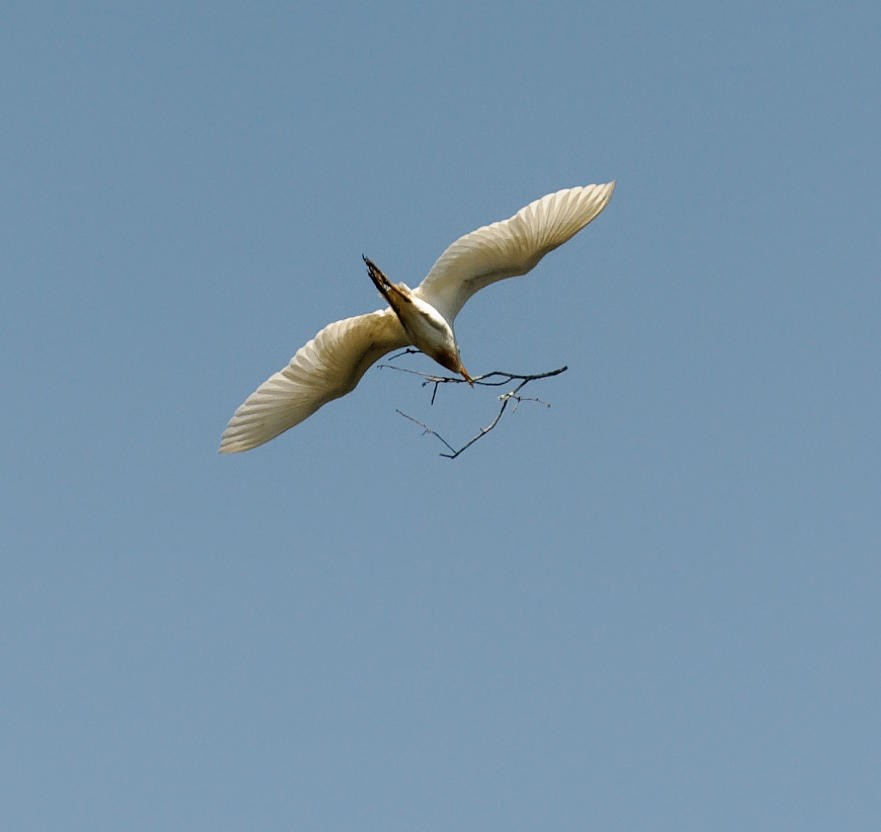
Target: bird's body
(333,362)
(425,327)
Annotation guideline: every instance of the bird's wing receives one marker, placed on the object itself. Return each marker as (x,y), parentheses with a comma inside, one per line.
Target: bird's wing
(509,247)
(327,367)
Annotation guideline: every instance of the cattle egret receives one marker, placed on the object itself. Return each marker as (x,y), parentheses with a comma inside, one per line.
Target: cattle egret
(332,363)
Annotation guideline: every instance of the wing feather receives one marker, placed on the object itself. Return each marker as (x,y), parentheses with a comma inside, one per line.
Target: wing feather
(327,367)
(510,247)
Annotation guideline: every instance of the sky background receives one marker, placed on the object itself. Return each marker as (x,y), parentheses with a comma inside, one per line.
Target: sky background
(653,605)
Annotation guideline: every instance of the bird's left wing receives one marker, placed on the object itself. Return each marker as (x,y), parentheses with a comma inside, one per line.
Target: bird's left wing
(327,367)
(510,247)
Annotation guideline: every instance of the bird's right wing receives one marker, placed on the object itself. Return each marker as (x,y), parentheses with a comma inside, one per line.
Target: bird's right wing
(327,367)
(510,247)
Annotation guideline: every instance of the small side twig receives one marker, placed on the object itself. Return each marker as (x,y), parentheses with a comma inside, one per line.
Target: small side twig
(496,378)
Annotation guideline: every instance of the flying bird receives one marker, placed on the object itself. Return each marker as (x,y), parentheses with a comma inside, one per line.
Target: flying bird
(332,363)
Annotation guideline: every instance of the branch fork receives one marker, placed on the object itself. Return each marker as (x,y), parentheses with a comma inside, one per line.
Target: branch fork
(497,378)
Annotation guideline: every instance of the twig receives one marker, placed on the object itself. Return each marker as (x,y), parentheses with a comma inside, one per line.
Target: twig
(427,429)
(496,378)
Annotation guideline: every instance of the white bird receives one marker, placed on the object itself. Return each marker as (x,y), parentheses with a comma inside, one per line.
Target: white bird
(332,363)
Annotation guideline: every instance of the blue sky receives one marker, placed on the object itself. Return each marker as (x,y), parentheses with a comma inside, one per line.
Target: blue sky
(653,605)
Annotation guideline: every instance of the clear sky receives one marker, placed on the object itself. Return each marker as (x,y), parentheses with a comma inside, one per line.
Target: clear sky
(653,605)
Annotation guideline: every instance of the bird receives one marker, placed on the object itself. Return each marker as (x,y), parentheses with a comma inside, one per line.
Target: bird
(333,362)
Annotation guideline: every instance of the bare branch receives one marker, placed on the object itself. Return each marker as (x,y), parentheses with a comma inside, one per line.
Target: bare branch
(427,429)
(496,378)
